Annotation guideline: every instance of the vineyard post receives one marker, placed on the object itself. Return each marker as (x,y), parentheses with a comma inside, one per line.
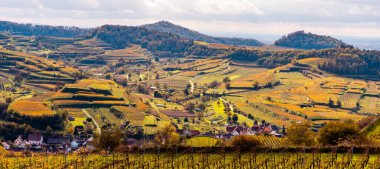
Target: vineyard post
(113,160)
(224,157)
(312,164)
(192,156)
(172,163)
(320,160)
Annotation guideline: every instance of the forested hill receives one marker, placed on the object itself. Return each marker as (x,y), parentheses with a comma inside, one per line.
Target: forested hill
(164,26)
(41,30)
(161,43)
(303,40)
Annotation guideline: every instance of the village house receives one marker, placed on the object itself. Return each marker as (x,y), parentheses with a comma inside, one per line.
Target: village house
(254,130)
(35,139)
(6,146)
(19,143)
(74,145)
(58,143)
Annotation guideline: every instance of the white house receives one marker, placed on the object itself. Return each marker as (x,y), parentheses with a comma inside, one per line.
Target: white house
(18,141)
(35,139)
(24,144)
(74,144)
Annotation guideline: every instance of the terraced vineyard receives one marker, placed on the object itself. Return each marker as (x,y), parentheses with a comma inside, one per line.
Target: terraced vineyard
(350,100)
(35,70)
(90,93)
(370,105)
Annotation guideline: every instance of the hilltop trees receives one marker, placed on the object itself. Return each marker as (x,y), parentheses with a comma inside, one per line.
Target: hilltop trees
(161,43)
(42,30)
(303,40)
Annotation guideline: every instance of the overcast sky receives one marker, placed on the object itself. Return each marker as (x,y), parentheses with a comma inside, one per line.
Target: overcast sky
(216,17)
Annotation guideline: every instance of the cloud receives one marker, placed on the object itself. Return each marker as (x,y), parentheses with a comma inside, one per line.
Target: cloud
(233,15)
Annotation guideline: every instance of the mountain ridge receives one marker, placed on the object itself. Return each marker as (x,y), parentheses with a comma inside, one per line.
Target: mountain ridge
(165,26)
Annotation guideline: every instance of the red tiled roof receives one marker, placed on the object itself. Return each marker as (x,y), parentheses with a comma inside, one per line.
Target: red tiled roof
(194,133)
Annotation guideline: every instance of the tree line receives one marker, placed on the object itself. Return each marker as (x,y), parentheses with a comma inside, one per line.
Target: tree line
(343,61)
(42,30)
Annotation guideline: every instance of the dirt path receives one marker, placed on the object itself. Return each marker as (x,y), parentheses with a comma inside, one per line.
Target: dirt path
(96,124)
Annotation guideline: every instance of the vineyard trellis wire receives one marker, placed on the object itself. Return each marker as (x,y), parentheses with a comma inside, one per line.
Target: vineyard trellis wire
(176,158)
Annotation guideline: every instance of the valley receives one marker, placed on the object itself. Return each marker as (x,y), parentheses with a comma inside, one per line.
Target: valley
(176,89)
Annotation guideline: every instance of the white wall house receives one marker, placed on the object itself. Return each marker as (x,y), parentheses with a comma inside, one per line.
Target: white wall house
(35,139)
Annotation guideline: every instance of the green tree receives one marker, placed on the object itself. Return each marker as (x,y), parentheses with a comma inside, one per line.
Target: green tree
(235,118)
(331,102)
(108,77)
(339,103)
(48,130)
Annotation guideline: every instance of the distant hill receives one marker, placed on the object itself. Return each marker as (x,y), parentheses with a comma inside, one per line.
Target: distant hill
(160,43)
(41,30)
(303,40)
(165,26)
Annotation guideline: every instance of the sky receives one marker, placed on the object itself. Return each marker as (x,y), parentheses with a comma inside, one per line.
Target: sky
(239,18)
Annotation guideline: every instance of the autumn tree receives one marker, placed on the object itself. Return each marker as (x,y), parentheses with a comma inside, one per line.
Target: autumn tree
(190,106)
(226,80)
(336,132)
(110,139)
(213,84)
(300,134)
(167,137)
